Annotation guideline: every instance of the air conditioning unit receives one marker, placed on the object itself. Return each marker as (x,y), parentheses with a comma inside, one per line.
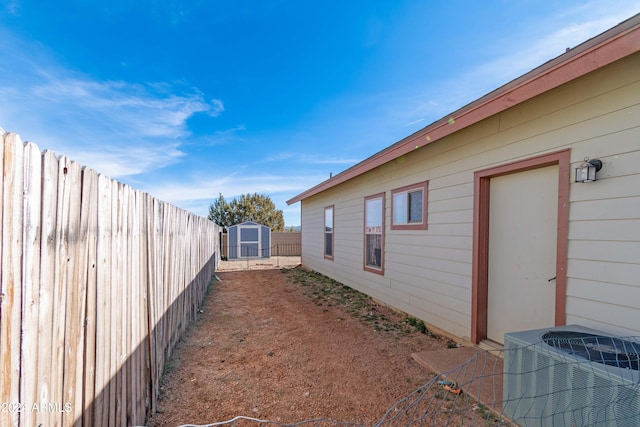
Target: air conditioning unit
(571,376)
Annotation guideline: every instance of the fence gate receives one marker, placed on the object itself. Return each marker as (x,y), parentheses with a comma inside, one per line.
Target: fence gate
(248,240)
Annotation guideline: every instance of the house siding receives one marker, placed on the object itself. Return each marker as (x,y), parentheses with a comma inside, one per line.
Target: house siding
(428,273)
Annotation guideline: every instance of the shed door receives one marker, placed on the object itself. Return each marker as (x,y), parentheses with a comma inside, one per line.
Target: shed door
(249,241)
(523,212)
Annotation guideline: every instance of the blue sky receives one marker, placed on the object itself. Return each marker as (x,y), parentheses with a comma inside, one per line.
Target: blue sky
(189,99)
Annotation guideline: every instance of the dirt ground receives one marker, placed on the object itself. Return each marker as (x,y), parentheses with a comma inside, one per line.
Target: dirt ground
(290,345)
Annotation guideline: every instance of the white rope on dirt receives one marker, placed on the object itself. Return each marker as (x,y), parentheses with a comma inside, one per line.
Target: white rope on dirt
(233,421)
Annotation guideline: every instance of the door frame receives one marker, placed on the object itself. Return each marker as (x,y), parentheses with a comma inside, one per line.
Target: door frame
(480,271)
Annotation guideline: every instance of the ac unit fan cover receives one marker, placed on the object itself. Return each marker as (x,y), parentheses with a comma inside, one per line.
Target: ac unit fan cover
(608,350)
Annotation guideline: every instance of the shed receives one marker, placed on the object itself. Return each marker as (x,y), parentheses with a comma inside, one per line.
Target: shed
(248,240)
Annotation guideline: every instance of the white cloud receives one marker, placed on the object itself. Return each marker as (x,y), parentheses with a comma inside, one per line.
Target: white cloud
(117,128)
(131,109)
(119,162)
(217,107)
(536,50)
(196,193)
(538,41)
(225,136)
(230,185)
(101,125)
(319,159)
(12,7)
(413,122)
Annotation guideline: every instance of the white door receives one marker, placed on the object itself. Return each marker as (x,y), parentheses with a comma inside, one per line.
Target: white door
(249,241)
(523,218)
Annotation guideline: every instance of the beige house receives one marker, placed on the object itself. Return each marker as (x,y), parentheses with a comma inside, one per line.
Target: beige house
(476,224)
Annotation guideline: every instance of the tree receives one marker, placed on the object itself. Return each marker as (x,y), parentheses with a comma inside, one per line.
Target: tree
(248,207)
(220,212)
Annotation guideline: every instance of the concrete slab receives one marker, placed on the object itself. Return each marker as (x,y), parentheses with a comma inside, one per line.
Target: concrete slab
(477,372)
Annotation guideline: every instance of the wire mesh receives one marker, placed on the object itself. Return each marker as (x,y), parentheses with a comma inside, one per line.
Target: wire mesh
(551,393)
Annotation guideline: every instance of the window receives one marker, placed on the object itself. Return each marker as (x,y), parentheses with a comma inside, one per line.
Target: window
(328,232)
(409,207)
(374,233)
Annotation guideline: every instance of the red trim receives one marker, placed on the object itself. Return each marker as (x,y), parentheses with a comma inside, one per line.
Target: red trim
(407,188)
(364,246)
(480,270)
(620,41)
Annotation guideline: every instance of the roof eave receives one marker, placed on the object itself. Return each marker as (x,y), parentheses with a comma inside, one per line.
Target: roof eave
(604,49)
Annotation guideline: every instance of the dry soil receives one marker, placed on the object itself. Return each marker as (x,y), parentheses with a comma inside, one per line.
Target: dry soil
(290,345)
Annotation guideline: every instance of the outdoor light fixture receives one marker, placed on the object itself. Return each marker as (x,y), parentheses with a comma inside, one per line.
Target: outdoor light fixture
(586,172)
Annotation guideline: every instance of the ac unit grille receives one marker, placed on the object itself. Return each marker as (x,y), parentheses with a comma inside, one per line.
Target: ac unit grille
(543,385)
(607,350)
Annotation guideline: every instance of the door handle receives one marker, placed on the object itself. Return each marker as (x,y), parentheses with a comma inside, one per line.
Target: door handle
(553,278)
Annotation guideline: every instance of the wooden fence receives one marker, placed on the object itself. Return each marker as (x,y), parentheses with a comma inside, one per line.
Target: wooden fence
(98,282)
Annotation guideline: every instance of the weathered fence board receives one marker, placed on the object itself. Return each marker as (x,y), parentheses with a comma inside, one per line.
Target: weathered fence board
(101,402)
(98,282)
(60,280)
(30,277)
(47,273)
(115,287)
(5,367)
(11,288)
(155,276)
(75,288)
(89,219)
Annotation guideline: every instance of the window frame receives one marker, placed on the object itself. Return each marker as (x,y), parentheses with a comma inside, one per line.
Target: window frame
(332,232)
(367,267)
(424,186)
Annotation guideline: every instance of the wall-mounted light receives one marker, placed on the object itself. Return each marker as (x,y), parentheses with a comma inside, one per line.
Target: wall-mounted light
(586,172)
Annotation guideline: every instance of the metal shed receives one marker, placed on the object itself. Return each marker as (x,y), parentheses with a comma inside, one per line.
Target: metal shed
(248,240)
